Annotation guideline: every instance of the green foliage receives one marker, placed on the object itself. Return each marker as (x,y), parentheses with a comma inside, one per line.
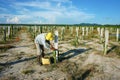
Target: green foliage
(54,56)
(75,42)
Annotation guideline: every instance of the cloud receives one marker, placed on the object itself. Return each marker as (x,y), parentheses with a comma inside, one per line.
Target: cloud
(63,1)
(47,11)
(34,4)
(13,20)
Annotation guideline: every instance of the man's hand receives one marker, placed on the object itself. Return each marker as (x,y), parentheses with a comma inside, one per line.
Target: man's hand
(52,48)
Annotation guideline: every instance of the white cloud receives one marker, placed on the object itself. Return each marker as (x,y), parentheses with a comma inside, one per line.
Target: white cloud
(35,4)
(64,1)
(47,12)
(59,5)
(13,20)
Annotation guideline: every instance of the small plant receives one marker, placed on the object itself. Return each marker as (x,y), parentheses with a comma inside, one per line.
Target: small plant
(75,42)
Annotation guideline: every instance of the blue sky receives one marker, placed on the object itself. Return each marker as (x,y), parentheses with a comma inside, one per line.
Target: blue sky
(60,11)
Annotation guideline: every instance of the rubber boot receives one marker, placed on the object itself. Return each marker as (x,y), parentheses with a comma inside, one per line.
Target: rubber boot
(39,59)
(43,54)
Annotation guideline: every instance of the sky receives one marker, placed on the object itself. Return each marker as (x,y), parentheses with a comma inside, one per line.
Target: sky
(60,11)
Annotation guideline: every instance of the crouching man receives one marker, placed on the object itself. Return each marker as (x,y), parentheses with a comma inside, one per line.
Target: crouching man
(42,41)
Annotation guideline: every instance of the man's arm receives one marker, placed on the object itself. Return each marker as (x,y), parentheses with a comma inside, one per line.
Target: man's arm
(51,45)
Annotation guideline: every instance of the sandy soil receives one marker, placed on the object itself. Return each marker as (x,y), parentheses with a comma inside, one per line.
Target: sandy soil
(78,63)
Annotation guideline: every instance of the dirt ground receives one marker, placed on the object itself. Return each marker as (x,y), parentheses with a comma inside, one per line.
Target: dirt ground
(83,62)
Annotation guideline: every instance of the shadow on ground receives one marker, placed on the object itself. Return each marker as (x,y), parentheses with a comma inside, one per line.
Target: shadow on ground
(84,75)
(111,49)
(17,61)
(73,52)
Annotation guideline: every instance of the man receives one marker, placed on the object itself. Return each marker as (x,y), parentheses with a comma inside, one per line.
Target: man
(42,41)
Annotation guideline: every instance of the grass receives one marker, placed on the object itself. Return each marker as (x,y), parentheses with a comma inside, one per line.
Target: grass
(87,72)
(1,68)
(68,67)
(3,42)
(76,72)
(117,50)
(28,71)
(51,67)
(9,78)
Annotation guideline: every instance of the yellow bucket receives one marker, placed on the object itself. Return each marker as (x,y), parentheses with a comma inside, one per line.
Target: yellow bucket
(46,60)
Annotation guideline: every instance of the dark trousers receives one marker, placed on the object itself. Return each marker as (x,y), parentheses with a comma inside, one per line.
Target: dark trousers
(40,52)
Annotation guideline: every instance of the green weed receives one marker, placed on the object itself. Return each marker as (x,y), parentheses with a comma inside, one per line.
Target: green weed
(9,78)
(27,71)
(1,68)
